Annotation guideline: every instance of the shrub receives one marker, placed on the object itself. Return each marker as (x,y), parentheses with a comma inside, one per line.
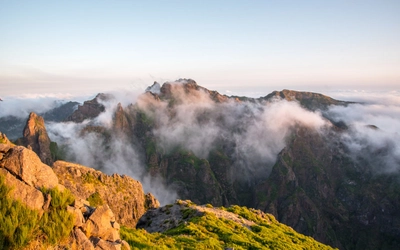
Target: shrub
(17,221)
(95,200)
(57,223)
(19,224)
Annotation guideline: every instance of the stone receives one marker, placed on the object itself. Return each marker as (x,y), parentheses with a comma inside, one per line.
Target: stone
(125,245)
(107,245)
(82,241)
(26,166)
(80,203)
(79,220)
(29,195)
(47,201)
(100,222)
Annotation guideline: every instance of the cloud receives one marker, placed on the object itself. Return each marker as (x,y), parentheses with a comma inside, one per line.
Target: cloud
(109,154)
(257,131)
(373,133)
(20,106)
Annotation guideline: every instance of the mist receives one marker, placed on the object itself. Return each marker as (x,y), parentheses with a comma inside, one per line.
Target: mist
(114,154)
(373,132)
(255,132)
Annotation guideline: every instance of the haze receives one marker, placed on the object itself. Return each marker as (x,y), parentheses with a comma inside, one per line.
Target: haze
(237,47)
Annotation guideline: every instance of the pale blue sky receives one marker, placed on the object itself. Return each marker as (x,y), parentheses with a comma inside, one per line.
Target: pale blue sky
(92,46)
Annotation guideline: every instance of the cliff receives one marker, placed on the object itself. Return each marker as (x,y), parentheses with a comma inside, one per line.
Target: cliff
(38,210)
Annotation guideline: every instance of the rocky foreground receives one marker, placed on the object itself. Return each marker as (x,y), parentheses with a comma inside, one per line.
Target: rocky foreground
(34,186)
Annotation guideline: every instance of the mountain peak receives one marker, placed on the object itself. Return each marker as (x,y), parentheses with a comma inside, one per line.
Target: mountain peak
(309,100)
(37,139)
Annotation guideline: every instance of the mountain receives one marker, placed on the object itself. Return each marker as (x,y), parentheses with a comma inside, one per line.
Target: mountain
(89,109)
(37,139)
(71,206)
(285,154)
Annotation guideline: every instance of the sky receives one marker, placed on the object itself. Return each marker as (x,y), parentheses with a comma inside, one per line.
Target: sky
(249,47)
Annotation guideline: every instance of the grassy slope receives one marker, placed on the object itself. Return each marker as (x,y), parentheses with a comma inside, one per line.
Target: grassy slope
(213,231)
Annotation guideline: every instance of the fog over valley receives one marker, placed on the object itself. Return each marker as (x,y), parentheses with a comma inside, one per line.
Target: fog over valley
(254,131)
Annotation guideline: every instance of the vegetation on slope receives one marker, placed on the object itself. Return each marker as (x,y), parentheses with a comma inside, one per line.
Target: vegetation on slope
(20,225)
(204,227)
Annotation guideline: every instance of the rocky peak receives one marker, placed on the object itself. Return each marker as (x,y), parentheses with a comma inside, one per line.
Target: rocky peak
(121,123)
(37,139)
(187,86)
(155,88)
(90,109)
(309,100)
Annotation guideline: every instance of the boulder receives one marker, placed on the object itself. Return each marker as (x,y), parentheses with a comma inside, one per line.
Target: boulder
(5,145)
(101,244)
(100,224)
(26,166)
(81,240)
(29,195)
(79,219)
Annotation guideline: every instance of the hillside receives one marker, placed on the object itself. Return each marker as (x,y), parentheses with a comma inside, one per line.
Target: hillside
(189,226)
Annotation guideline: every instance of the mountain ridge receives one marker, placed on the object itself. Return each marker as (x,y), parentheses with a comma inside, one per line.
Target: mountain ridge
(222,150)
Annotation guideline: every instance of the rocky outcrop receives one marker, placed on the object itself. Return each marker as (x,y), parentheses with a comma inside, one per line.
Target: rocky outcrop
(121,123)
(37,139)
(90,109)
(123,194)
(309,100)
(94,227)
(98,231)
(24,171)
(26,166)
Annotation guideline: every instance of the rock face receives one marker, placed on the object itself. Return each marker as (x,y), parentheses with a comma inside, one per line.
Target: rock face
(37,139)
(94,227)
(309,100)
(27,167)
(89,109)
(318,190)
(124,195)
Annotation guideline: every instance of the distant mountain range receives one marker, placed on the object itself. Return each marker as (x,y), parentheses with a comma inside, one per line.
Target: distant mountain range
(285,154)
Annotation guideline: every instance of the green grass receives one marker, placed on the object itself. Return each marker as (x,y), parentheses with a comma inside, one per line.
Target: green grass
(17,222)
(210,232)
(95,200)
(20,224)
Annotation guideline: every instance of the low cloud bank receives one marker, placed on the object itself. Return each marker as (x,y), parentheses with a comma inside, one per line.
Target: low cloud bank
(254,132)
(373,133)
(21,106)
